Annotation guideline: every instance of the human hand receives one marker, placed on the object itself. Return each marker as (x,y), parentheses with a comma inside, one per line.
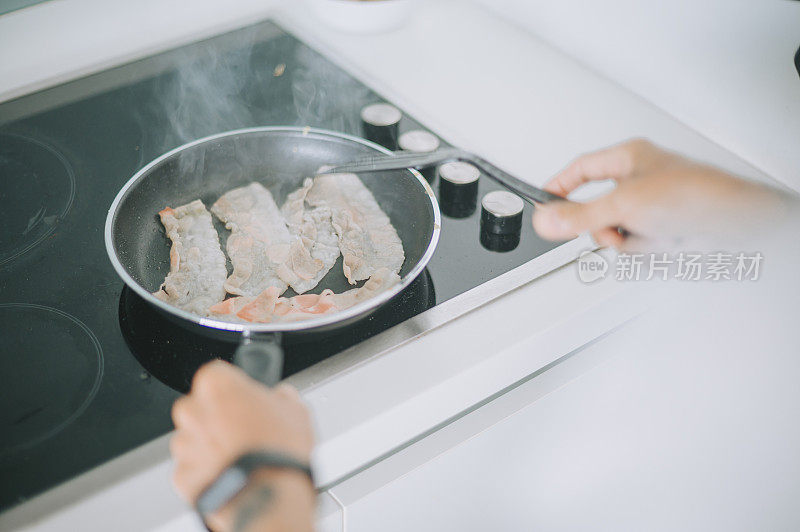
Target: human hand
(661,198)
(227,414)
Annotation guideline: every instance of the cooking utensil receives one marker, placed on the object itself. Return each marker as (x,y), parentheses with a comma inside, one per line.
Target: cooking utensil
(280,158)
(401,159)
(397,160)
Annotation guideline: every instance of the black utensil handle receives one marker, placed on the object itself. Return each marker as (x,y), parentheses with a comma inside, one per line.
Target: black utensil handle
(529,192)
(261,357)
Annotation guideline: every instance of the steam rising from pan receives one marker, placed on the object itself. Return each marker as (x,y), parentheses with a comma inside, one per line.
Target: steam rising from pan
(235,83)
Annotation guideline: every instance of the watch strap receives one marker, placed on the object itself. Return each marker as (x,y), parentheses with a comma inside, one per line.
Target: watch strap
(236,476)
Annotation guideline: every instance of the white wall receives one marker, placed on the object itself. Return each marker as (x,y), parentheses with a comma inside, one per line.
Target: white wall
(724,67)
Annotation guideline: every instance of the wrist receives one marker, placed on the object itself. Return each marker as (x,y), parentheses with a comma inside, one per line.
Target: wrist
(274,499)
(284,480)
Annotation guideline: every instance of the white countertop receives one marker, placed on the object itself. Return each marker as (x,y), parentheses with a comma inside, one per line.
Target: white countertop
(476,80)
(723,67)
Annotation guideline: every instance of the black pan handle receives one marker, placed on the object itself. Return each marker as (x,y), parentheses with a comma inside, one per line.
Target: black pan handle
(529,192)
(261,357)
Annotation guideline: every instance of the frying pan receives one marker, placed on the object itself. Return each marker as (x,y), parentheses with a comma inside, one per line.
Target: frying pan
(280,158)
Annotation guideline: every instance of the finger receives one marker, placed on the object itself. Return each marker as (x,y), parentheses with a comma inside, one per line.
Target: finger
(608,237)
(185,445)
(617,162)
(287,391)
(214,378)
(636,244)
(189,481)
(197,462)
(215,521)
(564,220)
(185,414)
(208,373)
(193,450)
(178,444)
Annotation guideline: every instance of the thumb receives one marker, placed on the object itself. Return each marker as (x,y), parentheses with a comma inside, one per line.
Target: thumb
(562,220)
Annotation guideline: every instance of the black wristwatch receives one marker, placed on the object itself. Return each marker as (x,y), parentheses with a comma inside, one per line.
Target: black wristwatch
(235,477)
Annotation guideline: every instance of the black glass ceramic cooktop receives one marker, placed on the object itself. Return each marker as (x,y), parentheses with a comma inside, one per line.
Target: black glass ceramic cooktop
(88,370)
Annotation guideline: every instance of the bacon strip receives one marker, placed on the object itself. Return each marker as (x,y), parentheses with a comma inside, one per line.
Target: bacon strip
(268,307)
(314,228)
(197,264)
(367,239)
(263,252)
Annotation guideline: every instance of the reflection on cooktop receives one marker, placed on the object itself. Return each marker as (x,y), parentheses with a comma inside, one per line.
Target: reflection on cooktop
(38,187)
(499,243)
(173,353)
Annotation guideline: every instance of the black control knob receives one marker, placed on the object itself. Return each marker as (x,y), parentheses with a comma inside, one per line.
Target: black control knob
(501,220)
(420,141)
(500,243)
(380,123)
(501,213)
(458,189)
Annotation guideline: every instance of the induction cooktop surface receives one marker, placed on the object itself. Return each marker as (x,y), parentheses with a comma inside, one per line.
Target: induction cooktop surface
(88,369)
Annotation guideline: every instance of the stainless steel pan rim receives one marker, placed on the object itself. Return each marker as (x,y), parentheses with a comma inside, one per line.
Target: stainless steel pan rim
(331,319)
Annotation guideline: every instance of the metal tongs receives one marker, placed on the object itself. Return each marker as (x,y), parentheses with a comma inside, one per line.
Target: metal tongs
(401,159)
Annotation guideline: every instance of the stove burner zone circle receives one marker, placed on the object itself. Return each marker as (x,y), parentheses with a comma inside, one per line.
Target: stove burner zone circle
(38,187)
(50,371)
